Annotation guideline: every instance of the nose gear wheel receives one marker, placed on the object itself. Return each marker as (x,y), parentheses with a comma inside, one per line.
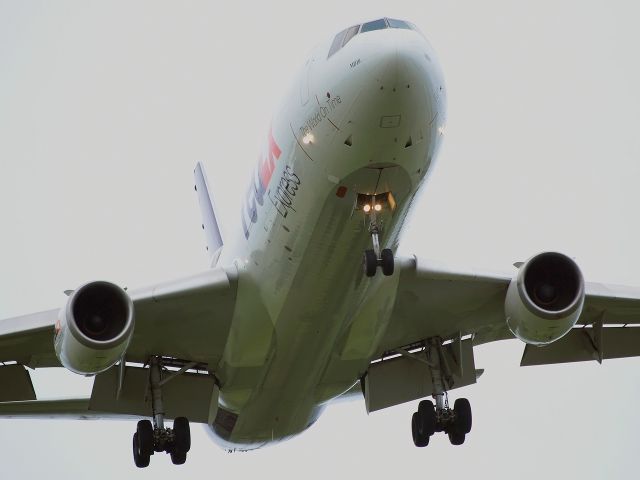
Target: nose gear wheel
(374,257)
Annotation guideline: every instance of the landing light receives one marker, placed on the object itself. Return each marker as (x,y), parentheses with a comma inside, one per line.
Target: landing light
(367,208)
(307,139)
(377,207)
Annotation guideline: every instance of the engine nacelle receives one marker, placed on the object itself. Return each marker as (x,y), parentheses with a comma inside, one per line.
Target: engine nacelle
(95,328)
(545,298)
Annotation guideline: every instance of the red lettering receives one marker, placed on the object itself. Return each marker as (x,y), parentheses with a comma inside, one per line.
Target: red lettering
(268,163)
(266,167)
(274,150)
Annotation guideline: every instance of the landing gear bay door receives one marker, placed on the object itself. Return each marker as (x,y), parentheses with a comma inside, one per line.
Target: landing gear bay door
(410,376)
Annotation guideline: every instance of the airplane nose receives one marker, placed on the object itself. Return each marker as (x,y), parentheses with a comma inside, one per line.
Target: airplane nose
(405,83)
(401,64)
(398,94)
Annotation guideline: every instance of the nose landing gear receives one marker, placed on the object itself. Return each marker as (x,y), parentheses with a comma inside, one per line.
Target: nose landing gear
(372,261)
(374,257)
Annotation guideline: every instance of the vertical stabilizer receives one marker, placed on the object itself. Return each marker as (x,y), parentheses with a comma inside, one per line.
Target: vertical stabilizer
(212,232)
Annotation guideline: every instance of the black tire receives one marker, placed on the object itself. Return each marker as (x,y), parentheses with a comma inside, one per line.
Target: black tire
(419,440)
(427,417)
(387,262)
(455,437)
(462,411)
(144,431)
(182,433)
(178,458)
(139,459)
(370,263)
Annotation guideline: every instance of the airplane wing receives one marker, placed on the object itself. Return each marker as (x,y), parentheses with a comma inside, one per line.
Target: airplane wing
(435,300)
(188,319)
(466,309)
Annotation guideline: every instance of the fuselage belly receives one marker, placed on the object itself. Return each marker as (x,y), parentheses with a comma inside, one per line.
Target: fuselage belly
(367,120)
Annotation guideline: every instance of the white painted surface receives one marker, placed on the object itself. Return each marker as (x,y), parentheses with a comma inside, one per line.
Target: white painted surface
(104,111)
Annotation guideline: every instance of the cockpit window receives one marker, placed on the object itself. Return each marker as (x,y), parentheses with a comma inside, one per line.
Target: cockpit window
(393,23)
(342,38)
(350,33)
(375,25)
(337,42)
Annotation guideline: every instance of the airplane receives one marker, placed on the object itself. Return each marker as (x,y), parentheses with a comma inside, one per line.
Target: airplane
(310,303)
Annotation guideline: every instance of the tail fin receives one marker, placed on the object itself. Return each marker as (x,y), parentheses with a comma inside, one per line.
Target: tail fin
(210,225)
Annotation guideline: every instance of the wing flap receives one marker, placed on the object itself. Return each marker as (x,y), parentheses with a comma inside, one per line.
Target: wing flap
(67,408)
(402,379)
(74,408)
(15,384)
(584,344)
(187,394)
(190,394)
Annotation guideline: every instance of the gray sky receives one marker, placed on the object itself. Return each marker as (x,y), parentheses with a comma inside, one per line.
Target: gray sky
(106,106)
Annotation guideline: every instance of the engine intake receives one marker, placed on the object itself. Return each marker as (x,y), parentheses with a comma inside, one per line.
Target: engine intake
(100,311)
(96,326)
(545,298)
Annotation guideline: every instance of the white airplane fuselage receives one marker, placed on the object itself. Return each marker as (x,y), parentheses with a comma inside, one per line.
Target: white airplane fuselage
(366,120)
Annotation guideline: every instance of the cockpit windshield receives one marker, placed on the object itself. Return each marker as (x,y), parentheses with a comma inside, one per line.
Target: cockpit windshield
(393,23)
(375,25)
(342,38)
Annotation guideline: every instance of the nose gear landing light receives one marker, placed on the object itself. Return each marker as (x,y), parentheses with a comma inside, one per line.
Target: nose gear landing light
(373,258)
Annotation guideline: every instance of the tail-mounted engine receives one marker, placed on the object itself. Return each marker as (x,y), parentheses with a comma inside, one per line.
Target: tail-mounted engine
(95,327)
(545,298)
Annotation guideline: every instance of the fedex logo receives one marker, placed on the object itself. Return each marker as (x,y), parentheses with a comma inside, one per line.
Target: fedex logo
(258,186)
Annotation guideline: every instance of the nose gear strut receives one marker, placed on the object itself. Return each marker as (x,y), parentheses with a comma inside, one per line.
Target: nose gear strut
(374,258)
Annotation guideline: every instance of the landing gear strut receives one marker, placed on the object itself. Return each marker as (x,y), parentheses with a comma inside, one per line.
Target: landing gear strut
(149,438)
(374,257)
(455,422)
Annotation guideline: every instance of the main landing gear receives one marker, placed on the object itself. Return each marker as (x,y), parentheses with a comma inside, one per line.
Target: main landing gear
(374,257)
(455,422)
(149,438)
(429,419)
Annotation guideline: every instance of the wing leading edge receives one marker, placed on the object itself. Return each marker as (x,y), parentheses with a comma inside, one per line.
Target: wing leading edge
(188,319)
(467,307)
(435,300)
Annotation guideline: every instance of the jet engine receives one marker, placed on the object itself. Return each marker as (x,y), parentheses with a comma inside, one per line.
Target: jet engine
(545,298)
(94,328)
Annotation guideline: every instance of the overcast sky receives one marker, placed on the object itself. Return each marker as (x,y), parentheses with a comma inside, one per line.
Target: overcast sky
(106,106)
